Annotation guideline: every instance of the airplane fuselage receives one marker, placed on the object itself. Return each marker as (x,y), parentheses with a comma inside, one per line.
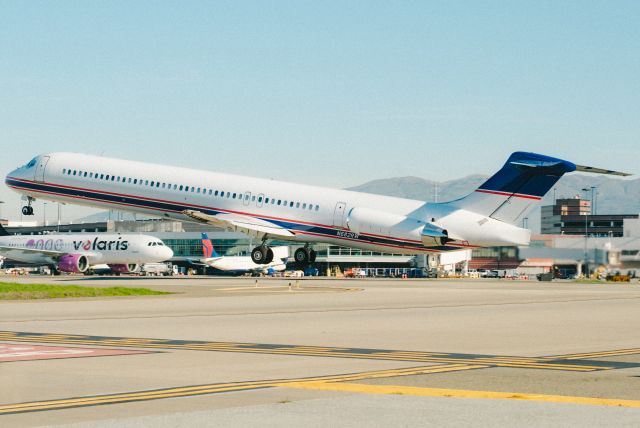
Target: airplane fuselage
(311,213)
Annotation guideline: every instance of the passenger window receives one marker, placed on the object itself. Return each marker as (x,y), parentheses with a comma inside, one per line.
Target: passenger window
(157,184)
(266,200)
(317,207)
(152,184)
(64,170)
(85,173)
(291,204)
(215,193)
(304,206)
(74,172)
(279,201)
(113,177)
(210,192)
(260,199)
(180,187)
(135,181)
(234,195)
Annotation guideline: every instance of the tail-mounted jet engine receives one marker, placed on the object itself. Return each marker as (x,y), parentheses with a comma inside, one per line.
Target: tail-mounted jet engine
(74,263)
(373,222)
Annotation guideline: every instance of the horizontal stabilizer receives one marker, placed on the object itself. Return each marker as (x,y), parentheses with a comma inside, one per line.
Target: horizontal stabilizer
(593,170)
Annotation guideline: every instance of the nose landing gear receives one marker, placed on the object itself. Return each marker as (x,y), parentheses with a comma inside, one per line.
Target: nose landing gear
(28,209)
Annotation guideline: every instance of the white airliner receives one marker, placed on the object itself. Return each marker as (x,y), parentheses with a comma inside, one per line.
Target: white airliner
(79,252)
(242,263)
(269,209)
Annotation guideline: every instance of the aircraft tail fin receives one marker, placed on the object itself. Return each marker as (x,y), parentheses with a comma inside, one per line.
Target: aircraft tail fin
(207,247)
(3,231)
(523,180)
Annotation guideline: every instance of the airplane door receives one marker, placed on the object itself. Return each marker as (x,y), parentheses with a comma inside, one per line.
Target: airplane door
(39,174)
(260,200)
(338,214)
(247,198)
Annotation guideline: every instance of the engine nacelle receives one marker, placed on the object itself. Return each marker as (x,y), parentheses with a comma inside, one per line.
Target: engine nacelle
(75,263)
(368,221)
(124,268)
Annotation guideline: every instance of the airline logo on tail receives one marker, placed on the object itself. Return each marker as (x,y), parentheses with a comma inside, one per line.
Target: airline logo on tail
(207,247)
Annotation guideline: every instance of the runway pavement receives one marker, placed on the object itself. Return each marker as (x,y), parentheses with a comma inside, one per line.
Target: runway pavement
(319,352)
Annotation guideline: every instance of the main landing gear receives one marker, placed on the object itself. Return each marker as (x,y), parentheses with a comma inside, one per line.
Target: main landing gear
(28,209)
(304,256)
(262,255)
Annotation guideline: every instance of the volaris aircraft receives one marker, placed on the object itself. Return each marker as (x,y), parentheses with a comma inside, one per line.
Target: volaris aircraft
(79,252)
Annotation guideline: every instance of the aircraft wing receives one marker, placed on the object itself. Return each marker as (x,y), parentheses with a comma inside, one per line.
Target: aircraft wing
(240,223)
(50,253)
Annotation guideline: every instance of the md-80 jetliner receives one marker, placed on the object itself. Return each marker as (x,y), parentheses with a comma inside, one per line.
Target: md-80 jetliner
(269,209)
(77,253)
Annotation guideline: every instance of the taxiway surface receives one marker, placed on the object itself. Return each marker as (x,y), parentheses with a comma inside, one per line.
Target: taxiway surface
(325,352)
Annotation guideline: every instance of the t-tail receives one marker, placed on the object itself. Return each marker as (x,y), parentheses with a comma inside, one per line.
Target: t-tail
(207,247)
(523,180)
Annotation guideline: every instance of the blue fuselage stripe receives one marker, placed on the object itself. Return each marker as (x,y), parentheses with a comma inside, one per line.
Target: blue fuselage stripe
(177,208)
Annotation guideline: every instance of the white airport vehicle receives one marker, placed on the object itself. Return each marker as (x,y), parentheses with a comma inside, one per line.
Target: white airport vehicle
(156,269)
(77,253)
(243,263)
(268,209)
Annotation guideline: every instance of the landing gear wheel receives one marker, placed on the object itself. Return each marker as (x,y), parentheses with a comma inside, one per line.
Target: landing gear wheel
(259,254)
(269,258)
(302,256)
(27,210)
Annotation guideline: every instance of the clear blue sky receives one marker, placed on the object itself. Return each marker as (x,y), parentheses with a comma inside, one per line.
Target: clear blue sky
(333,93)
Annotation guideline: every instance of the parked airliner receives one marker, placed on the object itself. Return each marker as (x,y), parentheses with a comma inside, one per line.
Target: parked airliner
(242,264)
(77,253)
(268,209)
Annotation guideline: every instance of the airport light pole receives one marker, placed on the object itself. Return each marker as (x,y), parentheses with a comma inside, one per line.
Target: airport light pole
(586,217)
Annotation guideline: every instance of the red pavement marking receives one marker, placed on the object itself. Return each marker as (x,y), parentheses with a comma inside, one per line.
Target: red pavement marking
(10,352)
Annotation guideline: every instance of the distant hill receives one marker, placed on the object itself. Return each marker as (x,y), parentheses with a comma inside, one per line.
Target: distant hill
(614,196)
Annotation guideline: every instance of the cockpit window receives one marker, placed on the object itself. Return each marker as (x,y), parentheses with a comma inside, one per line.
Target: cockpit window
(31,163)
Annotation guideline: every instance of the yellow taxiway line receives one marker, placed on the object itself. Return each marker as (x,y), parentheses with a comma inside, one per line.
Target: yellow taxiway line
(458,393)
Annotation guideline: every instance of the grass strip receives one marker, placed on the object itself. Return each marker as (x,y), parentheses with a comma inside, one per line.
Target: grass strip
(16,291)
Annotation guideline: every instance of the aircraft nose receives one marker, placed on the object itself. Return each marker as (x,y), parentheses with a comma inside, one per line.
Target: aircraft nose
(166,252)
